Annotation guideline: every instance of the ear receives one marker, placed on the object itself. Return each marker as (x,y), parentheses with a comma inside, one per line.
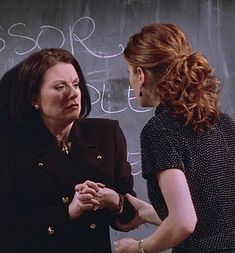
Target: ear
(142,76)
(34,100)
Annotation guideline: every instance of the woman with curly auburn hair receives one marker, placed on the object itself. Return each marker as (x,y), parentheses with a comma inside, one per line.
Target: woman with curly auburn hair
(187,147)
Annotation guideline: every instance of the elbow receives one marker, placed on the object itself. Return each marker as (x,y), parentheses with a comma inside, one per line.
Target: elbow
(187,226)
(188,229)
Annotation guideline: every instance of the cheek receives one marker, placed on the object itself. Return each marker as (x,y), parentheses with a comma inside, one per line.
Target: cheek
(50,100)
(131,80)
(49,107)
(133,83)
(79,95)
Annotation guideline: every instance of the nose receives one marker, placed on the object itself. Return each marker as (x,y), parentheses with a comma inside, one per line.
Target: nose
(72,92)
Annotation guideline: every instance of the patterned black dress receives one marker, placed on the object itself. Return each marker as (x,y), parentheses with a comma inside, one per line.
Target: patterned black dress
(208,162)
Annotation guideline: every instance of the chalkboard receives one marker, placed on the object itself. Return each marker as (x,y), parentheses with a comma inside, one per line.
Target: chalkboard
(96,31)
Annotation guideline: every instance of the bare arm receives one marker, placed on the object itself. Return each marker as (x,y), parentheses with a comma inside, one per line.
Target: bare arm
(180,222)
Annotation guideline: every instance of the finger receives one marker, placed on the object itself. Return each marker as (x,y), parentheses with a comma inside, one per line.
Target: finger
(130,197)
(133,200)
(85,197)
(100,185)
(87,206)
(116,244)
(80,187)
(95,202)
(91,201)
(92,185)
(98,196)
(89,190)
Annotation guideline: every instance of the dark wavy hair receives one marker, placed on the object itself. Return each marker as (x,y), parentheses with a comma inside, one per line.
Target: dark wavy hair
(181,79)
(7,83)
(27,84)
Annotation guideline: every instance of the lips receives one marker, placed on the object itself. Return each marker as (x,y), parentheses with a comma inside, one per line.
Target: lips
(72,106)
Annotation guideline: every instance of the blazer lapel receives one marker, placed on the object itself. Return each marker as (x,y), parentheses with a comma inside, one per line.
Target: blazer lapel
(85,152)
(53,159)
(85,160)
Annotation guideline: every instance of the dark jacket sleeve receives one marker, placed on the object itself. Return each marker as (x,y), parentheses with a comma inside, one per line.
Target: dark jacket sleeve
(123,176)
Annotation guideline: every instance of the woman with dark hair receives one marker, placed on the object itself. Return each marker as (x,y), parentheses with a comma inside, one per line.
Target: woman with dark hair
(62,176)
(188,147)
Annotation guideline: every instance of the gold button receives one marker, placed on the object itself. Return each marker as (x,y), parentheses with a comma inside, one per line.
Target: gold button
(40,164)
(65,200)
(93,226)
(50,231)
(99,157)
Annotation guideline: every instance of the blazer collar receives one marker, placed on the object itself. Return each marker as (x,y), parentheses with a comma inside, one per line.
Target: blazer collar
(45,145)
(81,136)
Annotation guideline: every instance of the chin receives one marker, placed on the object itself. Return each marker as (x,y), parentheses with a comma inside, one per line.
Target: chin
(74,117)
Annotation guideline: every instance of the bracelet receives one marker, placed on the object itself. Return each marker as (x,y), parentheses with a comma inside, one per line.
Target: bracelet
(140,246)
(119,207)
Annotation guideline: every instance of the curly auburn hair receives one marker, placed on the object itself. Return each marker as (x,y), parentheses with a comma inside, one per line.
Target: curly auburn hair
(182,80)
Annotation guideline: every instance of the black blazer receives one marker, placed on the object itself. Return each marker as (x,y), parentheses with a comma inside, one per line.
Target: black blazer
(37,182)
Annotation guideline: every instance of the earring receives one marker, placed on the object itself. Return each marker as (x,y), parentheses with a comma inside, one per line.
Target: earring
(140,93)
(36,106)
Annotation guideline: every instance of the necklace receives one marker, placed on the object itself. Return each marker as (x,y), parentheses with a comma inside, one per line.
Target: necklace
(64,145)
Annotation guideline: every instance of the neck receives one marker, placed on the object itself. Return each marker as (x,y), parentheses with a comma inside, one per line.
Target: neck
(61,132)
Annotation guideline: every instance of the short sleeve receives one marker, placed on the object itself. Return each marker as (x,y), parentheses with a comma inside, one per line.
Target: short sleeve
(160,150)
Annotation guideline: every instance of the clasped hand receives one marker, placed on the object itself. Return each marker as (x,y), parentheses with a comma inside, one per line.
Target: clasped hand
(92,196)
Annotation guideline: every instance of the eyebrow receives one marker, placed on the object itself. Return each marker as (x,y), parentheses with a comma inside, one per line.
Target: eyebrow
(77,79)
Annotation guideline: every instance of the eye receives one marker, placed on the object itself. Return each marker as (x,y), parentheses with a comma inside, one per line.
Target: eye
(76,85)
(60,87)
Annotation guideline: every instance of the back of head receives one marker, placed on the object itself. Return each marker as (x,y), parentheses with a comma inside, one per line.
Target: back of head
(181,79)
(29,81)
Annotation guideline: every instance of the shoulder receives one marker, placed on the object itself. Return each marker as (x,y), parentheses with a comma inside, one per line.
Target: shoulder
(225,119)
(165,128)
(226,125)
(99,130)
(98,126)
(99,123)
(163,124)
